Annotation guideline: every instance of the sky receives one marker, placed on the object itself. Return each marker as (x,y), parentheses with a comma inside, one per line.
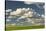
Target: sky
(21,4)
(36,6)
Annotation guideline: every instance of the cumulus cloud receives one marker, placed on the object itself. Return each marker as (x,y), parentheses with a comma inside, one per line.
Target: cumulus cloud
(43,15)
(10,17)
(29,14)
(13,24)
(27,2)
(18,11)
(22,11)
(8,20)
(25,12)
(9,10)
(38,14)
(29,20)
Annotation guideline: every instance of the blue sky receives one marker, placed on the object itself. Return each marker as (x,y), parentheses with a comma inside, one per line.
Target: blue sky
(20,4)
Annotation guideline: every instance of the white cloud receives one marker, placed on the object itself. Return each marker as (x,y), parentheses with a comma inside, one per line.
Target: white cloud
(8,20)
(22,11)
(23,8)
(43,15)
(9,10)
(18,11)
(13,24)
(29,14)
(27,2)
(36,0)
(10,17)
(29,19)
(38,14)
(33,22)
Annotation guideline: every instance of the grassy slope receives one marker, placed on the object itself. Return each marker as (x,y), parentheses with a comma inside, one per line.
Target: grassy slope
(24,27)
